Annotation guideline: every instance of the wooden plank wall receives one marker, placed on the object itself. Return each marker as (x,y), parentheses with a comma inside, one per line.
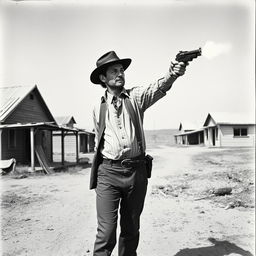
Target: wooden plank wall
(19,152)
(228,140)
(91,142)
(83,143)
(29,110)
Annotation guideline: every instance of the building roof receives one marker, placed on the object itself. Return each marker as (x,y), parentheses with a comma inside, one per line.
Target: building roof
(44,125)
(224,118)
(85,131)
(65,120)
(189,132)
(187,126)
(11,97)
(230,118)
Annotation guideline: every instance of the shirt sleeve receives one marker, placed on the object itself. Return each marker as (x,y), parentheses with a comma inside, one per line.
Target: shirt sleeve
(147,96)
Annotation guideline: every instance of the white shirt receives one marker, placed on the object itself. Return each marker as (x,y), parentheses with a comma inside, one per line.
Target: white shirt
(119,140)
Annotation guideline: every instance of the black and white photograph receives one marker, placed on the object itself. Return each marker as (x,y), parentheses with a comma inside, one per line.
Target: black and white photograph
(127,127)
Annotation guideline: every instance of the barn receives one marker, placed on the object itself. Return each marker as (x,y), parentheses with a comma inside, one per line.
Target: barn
(26,127)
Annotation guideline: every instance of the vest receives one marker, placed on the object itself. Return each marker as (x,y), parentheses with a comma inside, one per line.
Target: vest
(97,159)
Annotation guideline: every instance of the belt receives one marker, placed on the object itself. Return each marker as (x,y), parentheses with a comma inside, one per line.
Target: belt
(125,163)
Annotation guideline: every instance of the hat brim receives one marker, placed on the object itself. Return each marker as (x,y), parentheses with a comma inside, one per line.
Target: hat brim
(95,74)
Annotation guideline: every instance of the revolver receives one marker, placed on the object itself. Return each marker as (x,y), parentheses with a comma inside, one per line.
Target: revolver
(186,56)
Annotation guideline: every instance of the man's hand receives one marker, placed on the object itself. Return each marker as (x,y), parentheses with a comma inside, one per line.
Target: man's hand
(177,68)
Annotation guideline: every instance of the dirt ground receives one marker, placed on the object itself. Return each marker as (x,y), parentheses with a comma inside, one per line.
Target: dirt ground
(200,201)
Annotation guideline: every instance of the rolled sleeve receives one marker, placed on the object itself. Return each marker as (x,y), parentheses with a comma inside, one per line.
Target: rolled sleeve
(165,83)
(147,96)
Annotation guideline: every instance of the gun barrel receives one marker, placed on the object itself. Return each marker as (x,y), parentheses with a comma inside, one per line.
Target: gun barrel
(198,52)
(186,56)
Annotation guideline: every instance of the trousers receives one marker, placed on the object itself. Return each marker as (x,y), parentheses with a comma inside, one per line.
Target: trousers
(122,189)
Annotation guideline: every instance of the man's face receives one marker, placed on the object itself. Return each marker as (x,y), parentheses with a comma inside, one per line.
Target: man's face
(114,76)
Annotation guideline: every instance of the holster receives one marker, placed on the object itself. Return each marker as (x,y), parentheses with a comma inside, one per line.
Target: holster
(149,164)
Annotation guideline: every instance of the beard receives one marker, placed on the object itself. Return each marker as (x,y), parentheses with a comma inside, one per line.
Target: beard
(119,83)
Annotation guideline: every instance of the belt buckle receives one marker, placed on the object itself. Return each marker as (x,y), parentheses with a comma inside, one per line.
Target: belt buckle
(126,163)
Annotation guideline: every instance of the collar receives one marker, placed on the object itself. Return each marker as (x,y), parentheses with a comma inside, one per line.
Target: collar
(108,97)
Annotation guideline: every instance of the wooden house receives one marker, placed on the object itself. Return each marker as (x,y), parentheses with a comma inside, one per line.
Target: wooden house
(229,130)
(221,130)
(26,126)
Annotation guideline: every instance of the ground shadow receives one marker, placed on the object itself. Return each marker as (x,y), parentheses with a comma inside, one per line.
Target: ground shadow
(219,248)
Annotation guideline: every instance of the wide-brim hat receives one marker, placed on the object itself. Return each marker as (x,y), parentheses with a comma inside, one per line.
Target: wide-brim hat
(106,60)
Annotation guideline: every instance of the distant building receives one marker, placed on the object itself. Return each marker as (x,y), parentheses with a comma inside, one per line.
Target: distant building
(189,134)
(85,139)
(187,127)
(229,130)
(220,130)
(67,121)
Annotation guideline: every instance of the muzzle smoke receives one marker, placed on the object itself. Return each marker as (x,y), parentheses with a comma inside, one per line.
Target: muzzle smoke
(211,49)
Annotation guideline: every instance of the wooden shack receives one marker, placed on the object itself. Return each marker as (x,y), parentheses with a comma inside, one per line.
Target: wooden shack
(26,126)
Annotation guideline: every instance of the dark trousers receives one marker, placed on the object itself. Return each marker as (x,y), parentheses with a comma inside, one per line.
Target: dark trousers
(125,188)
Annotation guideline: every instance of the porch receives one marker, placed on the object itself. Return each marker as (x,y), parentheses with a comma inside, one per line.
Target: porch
(31,145)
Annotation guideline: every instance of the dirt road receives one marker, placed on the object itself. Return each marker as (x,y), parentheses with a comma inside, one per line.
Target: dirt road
(55,215)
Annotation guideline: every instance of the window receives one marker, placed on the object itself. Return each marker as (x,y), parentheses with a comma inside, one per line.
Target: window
(244,132)
(239,132)
(11,139)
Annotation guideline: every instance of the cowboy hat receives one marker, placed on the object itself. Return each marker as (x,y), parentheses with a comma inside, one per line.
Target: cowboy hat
(106,60)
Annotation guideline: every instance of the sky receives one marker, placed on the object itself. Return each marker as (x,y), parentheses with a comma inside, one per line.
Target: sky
(55,45)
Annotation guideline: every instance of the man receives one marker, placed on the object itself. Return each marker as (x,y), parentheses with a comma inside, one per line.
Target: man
(119,171)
